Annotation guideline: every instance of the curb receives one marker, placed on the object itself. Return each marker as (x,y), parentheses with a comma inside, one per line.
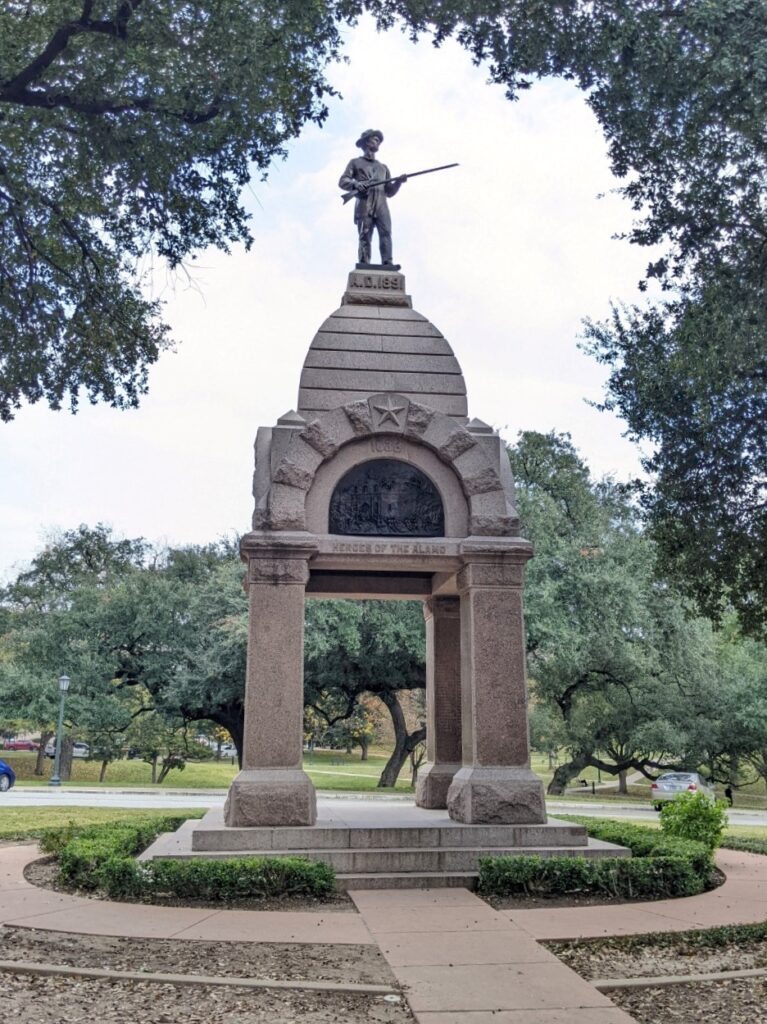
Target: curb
(102,974)
(663,980)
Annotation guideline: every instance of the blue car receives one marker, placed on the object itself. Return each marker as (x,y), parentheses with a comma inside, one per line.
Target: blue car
(7,776)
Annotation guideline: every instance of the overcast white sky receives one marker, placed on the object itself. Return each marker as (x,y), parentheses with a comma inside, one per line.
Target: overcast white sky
(505,254)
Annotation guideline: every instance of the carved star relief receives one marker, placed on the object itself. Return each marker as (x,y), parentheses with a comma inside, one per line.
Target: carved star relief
(389,411)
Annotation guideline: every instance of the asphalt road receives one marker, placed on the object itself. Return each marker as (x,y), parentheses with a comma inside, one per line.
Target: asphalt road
(44,796)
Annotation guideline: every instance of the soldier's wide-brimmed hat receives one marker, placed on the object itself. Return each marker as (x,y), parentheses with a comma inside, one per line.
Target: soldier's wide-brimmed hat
(366,135)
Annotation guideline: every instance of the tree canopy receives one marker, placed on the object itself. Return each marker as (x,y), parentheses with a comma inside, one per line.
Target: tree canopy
(128,128)
(624,677)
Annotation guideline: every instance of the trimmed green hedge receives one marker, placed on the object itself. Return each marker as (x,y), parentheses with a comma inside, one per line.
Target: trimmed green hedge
(660,867)
(745,843)
(239,878)
(103,857)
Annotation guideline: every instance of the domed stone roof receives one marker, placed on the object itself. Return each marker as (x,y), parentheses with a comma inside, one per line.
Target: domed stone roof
(374,343)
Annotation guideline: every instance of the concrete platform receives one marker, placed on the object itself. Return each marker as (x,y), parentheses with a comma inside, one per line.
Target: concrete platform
(373,845)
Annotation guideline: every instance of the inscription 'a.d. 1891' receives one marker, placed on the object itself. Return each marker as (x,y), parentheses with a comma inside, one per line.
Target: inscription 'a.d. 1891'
(385,282)
(385,497)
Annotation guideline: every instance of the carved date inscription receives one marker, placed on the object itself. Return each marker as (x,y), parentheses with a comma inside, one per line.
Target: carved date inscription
(385,497)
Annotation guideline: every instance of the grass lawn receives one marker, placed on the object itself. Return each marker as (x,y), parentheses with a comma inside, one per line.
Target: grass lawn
(328,769)
(30,822)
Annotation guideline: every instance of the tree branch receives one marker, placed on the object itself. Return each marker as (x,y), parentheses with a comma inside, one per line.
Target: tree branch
(59,41)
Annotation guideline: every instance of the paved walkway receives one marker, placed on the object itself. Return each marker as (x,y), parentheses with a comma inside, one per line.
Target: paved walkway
(460,961)
(28,906)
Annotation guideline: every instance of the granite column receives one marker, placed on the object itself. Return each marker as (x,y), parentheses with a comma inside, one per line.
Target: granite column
(272,788)
(443,701)
(496,783)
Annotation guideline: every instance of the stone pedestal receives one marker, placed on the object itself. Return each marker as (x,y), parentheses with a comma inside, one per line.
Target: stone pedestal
(443,701)
(272,788)
(495,784)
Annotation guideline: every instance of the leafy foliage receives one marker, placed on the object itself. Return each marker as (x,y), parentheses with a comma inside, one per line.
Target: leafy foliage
(366,647)
(690,377)
(693,816)
(615,661)
(128,128)
(680,91)
(102,857)
(658,868)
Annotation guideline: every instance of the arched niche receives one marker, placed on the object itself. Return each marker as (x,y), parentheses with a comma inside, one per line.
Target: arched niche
(385,447)
(386,498)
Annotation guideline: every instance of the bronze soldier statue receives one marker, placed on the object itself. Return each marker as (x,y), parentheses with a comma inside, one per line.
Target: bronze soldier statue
(372,184)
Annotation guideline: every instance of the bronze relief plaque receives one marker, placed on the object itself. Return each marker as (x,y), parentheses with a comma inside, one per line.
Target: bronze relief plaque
(385,497)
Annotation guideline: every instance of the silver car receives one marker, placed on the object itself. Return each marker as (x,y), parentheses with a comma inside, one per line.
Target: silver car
(671,784)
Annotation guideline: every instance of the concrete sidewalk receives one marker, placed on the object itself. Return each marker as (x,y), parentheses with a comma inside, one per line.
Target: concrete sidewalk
(460,961)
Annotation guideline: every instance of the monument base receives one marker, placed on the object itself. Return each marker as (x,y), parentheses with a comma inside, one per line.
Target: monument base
(389,844)
(496,796)
(271,796)
(434,780)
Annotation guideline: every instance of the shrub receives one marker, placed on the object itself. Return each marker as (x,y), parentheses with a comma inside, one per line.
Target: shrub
(660,867)
(635,878)
(81,851)
(240,878)
(102,857)
(694,816)
(699,855)
(53,840)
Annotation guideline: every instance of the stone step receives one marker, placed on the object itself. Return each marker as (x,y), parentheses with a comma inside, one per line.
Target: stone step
(320,837)
(444,860)
(345,882)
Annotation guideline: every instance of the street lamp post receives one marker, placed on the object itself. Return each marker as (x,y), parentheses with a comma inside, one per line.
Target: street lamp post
(55,779)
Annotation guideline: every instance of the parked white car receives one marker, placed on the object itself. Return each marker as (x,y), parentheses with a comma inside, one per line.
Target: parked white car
(671,784)
(79,749)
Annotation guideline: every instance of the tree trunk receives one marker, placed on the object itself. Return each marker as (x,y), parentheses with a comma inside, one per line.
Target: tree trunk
(167,764)
(623,788)
(417,756)
(234,722)
(103,771)
(65,769)
(364,744)
(564,773)
(154,769)
(45,736)
(403,742)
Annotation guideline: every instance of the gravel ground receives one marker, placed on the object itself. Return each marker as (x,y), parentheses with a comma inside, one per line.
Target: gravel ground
(723,1002)
(60,1000)
(626,960)
(273,960)
(28,1000)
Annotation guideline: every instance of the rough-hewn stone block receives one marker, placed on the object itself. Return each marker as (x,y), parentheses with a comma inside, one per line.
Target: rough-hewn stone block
(359,417)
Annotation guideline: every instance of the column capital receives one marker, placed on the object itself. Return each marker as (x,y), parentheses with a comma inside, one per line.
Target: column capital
(275,559)
(442,607)
(492,573)
(282,571)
